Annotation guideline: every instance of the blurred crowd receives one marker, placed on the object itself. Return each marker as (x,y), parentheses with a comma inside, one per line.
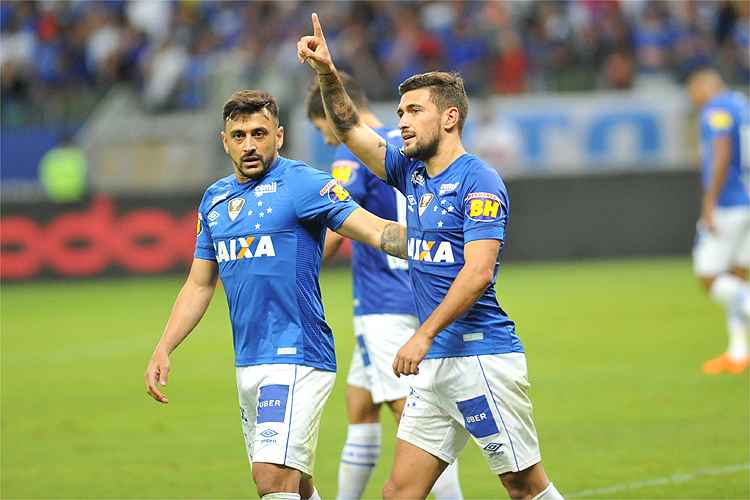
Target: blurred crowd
(74,51)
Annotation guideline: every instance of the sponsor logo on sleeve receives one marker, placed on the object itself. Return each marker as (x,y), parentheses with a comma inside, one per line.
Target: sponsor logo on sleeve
(234,207)
(335,191)
(199,228)
(345,171)
(478,418)
(272,403)
(483,207)
(424,202)
(720,120)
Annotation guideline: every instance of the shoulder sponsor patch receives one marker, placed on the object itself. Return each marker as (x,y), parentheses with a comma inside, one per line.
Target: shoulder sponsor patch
(483,207)
(335,191)
(199,228)
(720,119)
(345,171)
(272,403)
(478,418)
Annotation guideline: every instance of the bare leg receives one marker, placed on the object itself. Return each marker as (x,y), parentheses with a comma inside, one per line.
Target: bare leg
(413,474)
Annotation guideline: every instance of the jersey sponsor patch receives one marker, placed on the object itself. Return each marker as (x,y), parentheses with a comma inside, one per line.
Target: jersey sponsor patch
(482,207)
(234,207)
(199,228)
(720,120)
(272,403)
(265,189)
(478,418)
(335,191)
(344,171)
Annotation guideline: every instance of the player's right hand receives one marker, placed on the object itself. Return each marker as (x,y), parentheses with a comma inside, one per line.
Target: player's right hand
(157,372)
(314,51)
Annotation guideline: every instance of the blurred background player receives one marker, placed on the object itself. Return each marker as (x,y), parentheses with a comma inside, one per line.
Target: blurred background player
(262,230)
(384,310)
(722,250)
(469,364)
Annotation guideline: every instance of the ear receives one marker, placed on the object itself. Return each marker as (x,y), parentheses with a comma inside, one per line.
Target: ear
(223,138)
(451,116)
(279,137)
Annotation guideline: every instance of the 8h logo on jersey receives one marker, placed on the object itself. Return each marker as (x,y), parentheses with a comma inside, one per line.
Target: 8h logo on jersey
(483,207)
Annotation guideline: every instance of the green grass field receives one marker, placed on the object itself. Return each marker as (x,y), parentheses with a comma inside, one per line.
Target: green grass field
(614,352)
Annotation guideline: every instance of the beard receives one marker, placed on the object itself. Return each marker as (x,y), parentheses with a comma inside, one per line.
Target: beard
(259,170)
(423,151)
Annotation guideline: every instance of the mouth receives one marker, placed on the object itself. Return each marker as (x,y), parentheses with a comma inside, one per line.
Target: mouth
(407,136)
(251,161)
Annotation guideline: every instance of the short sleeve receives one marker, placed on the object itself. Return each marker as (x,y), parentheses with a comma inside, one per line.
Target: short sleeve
(485,207)
(204,246)
(317,195)
(350,173)
(718,122)
(396,167)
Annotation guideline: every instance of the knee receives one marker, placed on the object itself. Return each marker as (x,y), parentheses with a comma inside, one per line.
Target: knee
(390,490)
(272,479)
(517,486)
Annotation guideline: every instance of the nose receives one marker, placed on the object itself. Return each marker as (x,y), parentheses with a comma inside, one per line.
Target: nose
(248,145)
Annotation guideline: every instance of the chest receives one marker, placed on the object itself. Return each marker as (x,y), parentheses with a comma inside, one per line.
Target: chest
(265,208)
(434,206)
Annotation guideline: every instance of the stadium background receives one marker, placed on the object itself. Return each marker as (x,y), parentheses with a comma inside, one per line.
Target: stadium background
(110,113)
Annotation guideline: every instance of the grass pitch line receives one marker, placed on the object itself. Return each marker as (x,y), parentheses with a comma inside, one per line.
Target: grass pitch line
(661,481)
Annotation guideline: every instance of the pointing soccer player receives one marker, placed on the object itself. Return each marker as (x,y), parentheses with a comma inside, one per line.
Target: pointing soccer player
(469,365)
(262,230)
(384,311)
(722,249)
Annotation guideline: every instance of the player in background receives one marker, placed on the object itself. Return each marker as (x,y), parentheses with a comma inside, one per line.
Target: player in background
(469,365)
(384,311)
(262,230)
(722,249)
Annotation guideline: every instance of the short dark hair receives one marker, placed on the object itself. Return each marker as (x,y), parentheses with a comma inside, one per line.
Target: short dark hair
(248,102)
(315,102)
(446,90)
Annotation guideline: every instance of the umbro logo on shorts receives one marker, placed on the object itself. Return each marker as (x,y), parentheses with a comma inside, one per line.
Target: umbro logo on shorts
(493,449)
(269,433)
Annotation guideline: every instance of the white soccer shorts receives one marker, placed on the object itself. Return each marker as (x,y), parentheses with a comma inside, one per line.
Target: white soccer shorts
(728,247)
(485,397)
(379,337)
(280,408)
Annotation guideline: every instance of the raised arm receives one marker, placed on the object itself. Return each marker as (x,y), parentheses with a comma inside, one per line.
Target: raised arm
(341,112)
(189,307)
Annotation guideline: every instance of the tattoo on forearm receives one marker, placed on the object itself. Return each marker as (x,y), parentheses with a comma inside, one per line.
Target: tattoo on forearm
(393,240)
(337,103)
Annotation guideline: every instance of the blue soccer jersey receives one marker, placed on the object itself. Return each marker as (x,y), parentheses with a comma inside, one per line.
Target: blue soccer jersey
(267,237)
(466,202)
(380,281)
(727,115)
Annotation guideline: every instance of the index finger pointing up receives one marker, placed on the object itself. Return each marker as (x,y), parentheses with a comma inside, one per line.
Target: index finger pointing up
(317,29)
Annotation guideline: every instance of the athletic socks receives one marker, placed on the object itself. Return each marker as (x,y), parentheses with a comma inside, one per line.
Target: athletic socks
(549,493)
(733,293)
(281,496)
(358,459)
(447,486)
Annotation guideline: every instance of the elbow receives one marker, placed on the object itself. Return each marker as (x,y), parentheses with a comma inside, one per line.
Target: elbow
(482,277)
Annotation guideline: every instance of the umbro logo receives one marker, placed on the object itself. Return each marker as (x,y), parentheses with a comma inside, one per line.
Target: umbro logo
(269,433)
(493,449)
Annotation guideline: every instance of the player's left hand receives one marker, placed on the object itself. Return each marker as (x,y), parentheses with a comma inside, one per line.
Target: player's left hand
(411,354)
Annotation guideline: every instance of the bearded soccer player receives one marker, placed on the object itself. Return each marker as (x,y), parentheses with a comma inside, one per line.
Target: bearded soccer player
(384,310)
(469,367)
(261,230)
(722,248)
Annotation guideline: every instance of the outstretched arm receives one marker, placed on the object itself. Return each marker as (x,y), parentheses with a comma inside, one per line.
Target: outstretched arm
(385,235)
(341,112)
(188,309)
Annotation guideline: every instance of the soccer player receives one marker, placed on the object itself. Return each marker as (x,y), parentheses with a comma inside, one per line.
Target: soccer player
(470,367)
(722,249)
(262,230)
(384,311)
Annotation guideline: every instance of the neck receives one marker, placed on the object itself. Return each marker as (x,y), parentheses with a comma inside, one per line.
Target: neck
(450,148)
(370,120)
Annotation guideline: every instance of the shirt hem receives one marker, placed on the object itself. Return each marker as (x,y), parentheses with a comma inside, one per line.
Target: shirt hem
(328,367)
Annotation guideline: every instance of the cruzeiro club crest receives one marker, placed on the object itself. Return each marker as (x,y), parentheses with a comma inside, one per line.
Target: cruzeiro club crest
(424,202)
(234,207)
